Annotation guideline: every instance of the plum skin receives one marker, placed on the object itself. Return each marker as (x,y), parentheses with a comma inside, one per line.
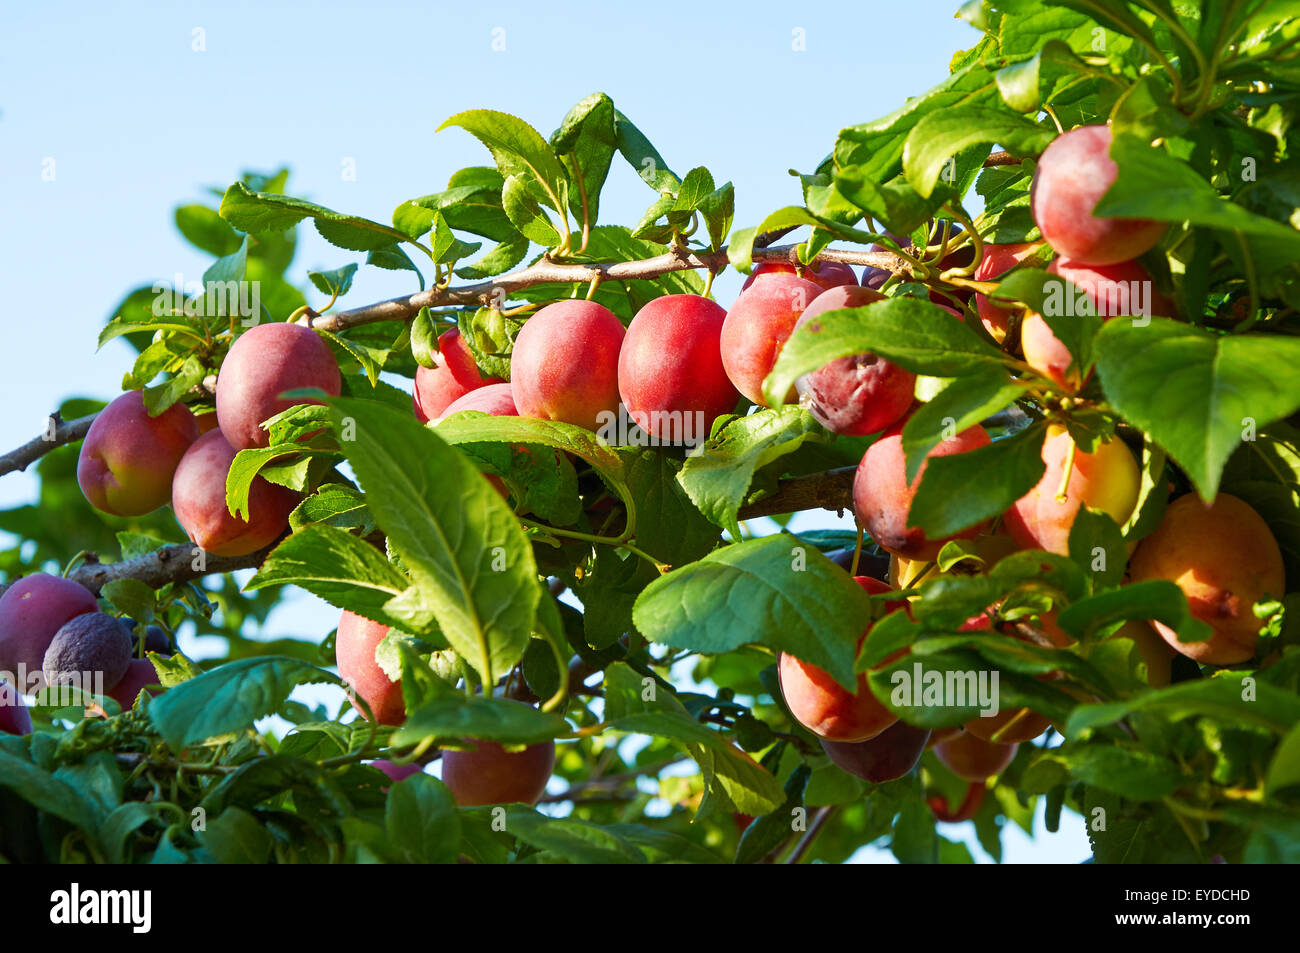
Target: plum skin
(140,676)
(974,759)
(564,366)
(670,368)
(1073,173)
(128,458)
(264,362)
(15,719)
(882,497)
(199,501)
(1225,559)
(488,774)
(758,324)
(825,274)
(455,375)
(997,260)
(1109,289)
(32,610)
(823,705)
(90,643)
(859,394)
(354,650)
(1107,479)
(887,757)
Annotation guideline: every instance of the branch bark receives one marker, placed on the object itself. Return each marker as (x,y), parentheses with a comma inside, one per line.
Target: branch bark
(551,272)
(168,564)
(64,432)
(831,490)
(481,293)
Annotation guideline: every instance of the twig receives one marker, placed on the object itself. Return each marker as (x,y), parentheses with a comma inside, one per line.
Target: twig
(63,432)
(830,490)
(1001,158)
(801,848)
(553,272)
(177,563)
(484,292)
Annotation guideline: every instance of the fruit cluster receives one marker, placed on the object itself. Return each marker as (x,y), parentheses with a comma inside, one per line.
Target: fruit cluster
(682,362)
(856,396)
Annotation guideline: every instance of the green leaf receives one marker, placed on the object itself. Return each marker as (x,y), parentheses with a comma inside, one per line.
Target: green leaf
(719,210)
(393,258)
(1153,184)
(44,791)
(766,833)
(518,149)
(1224,699)
(935,142)
(914,334)
(1284,769)
(643,157)
(345,571)
(717,475)
(1136,775)
(1097,545)
(157,399)
(733,780)
(468,558)
(333,504)
(480,428)
(424,339)
(774,591)
(660,845)
(961,404)
(455,717)
(235,837)
(204,229)
(1156,599)
(131,597)
(260,213)
(447,248)
(915,839)
(1020,83)
(571,839)
(230,698)
(963,489)
(421,820)
(1153,494)
(670,526)
(587,139)
(1197,393)
(526,213)
(874,150)
(333,283)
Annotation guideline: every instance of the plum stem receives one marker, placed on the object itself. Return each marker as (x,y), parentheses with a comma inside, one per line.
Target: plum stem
(1065,473)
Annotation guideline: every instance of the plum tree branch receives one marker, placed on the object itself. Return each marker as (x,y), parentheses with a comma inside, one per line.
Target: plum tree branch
(553,272)
(175,563)
(405,308)
(63,432)
(830,490)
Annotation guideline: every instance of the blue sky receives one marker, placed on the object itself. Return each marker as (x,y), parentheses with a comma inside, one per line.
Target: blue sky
(114,113)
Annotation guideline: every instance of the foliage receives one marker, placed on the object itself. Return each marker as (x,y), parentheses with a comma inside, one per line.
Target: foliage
(1201,98)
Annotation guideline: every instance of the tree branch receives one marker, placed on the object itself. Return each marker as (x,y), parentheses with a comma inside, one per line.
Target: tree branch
(168,564)
(1001,158)
(481,293)
(552,272)
(831,490)
(37,447)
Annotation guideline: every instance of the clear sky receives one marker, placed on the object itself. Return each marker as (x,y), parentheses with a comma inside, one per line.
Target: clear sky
(114,113)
